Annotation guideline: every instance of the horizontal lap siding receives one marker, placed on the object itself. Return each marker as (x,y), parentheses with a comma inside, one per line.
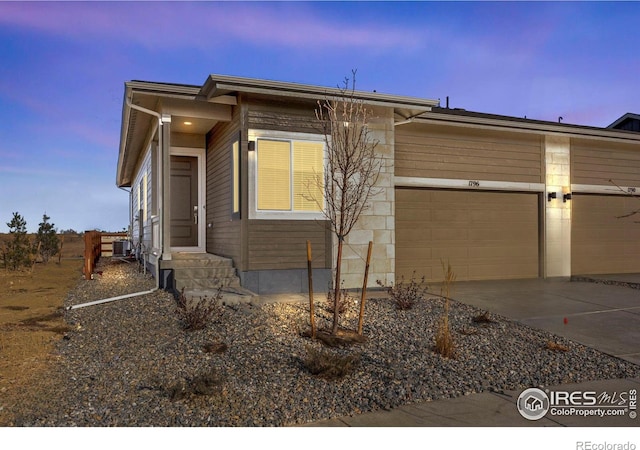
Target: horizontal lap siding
(461,153)
(145,168)
(224,236)
(484,235)
(282,244)
(597,163)
(601,242)
(283,117)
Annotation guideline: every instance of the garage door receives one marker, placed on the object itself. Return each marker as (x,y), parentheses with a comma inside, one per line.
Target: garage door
(602,243)
(484,235)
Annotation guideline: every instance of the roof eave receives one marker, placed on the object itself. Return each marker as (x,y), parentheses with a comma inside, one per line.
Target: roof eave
(124,129)
(217,85)
(531,126)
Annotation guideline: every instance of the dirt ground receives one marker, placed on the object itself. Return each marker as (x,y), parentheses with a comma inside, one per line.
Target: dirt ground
(31,316)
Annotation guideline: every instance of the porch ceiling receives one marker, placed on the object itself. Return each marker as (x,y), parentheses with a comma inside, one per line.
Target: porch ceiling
(189,114)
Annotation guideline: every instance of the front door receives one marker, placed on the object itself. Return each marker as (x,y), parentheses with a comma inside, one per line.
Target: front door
(184,201)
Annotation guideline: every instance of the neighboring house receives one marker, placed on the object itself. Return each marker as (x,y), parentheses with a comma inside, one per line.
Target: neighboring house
(218,169)
(629,122)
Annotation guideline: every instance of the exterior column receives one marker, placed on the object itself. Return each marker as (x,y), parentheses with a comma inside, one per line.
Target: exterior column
(557,212)
(376,223)
(165,213)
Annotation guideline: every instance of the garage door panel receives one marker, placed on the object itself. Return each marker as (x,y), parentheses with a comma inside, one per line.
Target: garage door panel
(506,253)
(449,234)
(484,235)
(488,271)
(601,242)
(514,234)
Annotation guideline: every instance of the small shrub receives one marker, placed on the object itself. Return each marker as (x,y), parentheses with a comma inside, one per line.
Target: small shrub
(215,347)
(206,384)
(329,365)
(483,318)
(196,314)
(557,347)
(344,301)
(406,294)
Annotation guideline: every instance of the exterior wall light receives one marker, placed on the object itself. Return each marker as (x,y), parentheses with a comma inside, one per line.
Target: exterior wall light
(252,146)
(551,195)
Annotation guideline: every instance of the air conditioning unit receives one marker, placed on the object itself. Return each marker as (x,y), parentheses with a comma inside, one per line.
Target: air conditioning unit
(120,248)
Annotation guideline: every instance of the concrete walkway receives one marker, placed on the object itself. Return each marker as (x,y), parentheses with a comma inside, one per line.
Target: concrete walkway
(600,315)
(487,410)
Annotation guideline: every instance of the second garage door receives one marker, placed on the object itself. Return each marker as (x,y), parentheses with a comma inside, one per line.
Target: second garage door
(601,242)
(484,235)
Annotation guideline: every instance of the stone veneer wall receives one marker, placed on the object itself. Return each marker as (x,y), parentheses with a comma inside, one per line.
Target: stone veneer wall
(377,222)
(557,212)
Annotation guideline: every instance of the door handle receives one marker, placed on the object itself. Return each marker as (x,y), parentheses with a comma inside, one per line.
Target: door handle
(195,215)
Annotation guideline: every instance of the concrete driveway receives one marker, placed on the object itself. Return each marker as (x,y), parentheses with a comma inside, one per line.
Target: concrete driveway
(603,316)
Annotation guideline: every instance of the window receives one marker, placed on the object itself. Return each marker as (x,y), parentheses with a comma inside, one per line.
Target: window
(145,197)
(235,180)
(288,171)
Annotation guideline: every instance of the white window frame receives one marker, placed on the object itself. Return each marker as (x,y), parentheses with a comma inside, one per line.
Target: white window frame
(254,212)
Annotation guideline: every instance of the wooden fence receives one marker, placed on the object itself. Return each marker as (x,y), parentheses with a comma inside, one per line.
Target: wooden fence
(97,244)
(92,252)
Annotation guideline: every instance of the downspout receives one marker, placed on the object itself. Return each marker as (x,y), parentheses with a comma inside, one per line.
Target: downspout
(150,291)
(113,299)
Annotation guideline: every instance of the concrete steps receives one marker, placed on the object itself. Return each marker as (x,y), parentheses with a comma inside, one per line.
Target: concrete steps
(202,272)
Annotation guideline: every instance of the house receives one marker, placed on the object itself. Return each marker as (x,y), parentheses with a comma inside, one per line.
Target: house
(629,121)
(533,404)
(215,173)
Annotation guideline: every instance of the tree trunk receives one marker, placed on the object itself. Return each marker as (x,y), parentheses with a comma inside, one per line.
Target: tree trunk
(336,297)
(312,313)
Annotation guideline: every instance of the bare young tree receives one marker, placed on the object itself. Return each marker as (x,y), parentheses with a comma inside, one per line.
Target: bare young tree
(352,167)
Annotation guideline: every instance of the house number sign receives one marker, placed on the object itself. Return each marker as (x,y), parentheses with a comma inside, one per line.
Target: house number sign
(631,190)
(474,183)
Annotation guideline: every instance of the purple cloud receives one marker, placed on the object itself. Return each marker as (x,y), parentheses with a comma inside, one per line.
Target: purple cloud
(177,25)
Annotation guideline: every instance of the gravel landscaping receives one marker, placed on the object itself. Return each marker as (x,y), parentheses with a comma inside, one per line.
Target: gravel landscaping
(131,362)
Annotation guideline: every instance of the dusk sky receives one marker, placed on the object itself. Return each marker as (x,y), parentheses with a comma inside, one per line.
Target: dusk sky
(64,66)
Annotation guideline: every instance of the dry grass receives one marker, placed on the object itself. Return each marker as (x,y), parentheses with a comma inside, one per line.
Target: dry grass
(205,384)
(196,314)
(483,318)
(557,347)
(444,340)
(30,318)
(72,245)
(329,365)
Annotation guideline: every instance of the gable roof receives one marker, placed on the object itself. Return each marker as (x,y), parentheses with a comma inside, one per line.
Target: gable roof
(141,96)
(628,117)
